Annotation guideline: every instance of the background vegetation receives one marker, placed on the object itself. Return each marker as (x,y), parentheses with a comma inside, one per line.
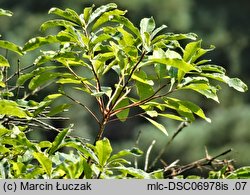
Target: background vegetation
(222,23)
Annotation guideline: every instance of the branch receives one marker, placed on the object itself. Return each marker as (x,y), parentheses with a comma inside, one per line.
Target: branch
(199,163)
(127,82)
(84,106)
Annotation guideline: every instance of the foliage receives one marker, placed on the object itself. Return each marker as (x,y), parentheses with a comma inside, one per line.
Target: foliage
(150,68)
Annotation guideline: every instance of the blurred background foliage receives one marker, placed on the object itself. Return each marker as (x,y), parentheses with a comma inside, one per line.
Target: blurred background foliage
(224,24)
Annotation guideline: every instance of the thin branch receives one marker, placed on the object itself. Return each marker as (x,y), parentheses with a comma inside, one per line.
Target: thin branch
(19,71)
(199,163)
(84,106)
(163,150)
(45,125)
(135,104)
(127,82)
(147,155)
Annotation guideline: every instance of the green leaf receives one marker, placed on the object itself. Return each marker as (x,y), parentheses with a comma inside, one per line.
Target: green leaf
(4,62)
(195,109)
(177,63)
(147,25)
(86,151)
(10,108)
(56,144)
(122,115)
(5,12)
(191,50)
(212,68)
(107,16)
(86,14)
(241,173)
(144,90)
(103,150)
(236,83)
(157,30)
(157,125)
(205,89)
(99,11)
(67,14)
(42,79)
(11,46)
(56,23)
(34,43)
(172,116)
(136,173)
(123,153)
(127,23)
(58,109)
(44,161)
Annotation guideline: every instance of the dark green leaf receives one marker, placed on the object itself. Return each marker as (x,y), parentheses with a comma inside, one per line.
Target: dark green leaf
(123,114)
(42,79)
(58,109)
(56,144)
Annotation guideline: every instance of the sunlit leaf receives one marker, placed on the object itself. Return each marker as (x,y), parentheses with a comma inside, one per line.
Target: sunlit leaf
(99,11)
(45,162)
(11,46)
(5,12)
(34,43)
(4,62)
(103,150)
(107,16)
(56,23)
(10,108)
(67,14)
(157,125)
(147,25)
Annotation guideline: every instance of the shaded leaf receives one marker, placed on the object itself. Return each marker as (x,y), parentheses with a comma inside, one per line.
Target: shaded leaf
(56,144)
(122,115)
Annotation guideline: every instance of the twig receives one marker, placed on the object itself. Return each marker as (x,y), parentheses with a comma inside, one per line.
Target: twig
(84,106)
(163,150)
(147,155)
(199,163)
